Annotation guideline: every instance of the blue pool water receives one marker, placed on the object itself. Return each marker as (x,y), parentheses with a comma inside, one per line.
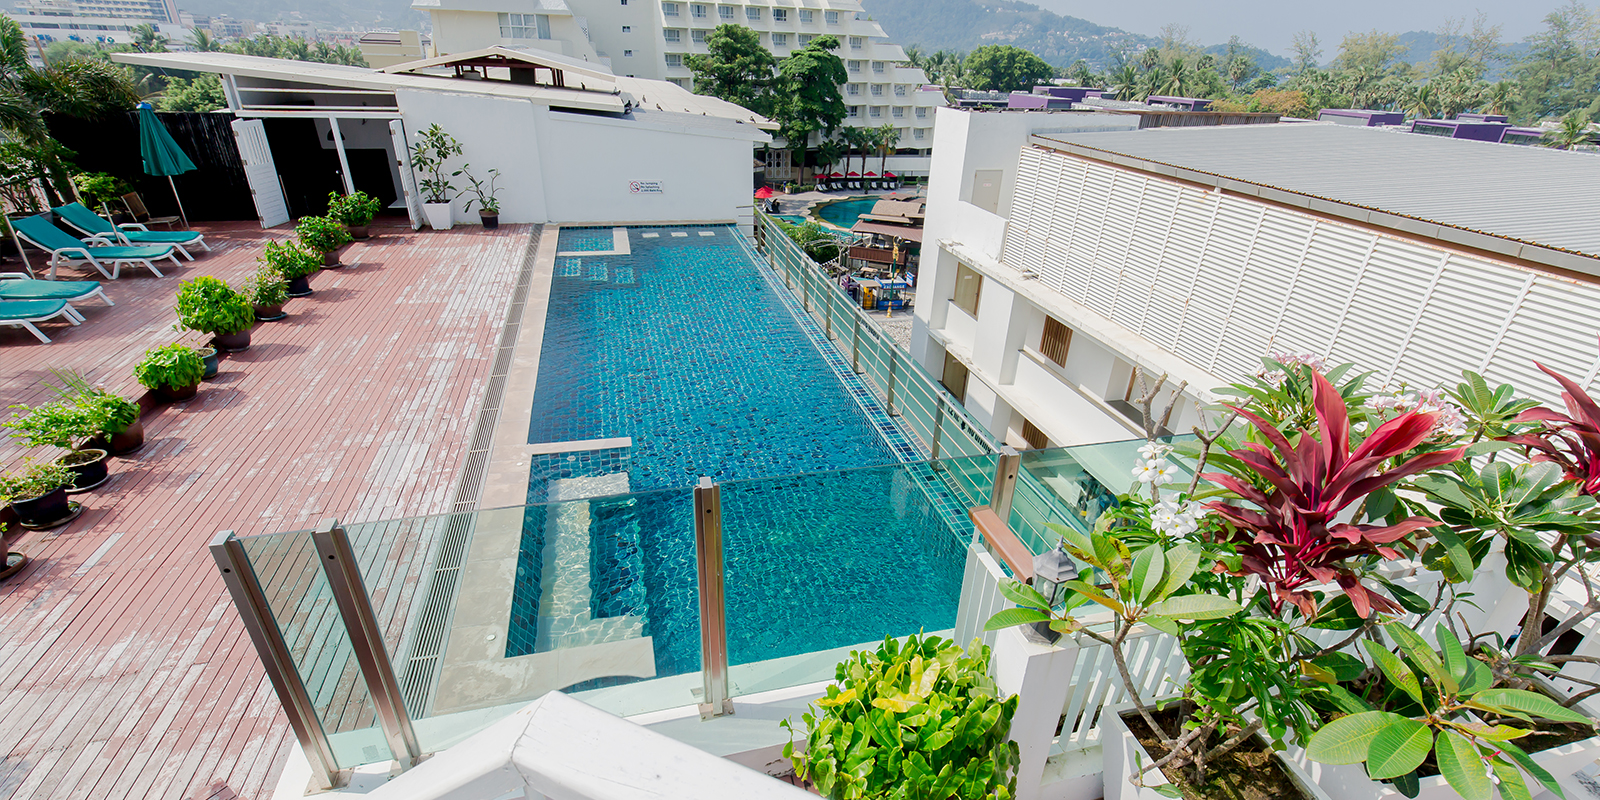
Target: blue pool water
(844,213)
(685,347)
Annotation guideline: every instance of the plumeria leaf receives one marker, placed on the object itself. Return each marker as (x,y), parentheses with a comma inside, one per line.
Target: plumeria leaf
(1348,739)
(1148,568)
(1395,670)
(1399,748)
(1455,658)
(1531,767)
(1012,617)
(1531,703)
(1462,766)
(1416,648)
(1195,606)
(1023,595)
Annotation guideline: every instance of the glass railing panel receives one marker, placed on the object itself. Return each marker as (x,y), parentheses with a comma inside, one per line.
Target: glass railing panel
(818,564)
(1085,480)
(303,609)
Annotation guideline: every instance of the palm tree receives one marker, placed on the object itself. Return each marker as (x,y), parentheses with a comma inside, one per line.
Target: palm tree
(1422,104)
(1124,80)
(1573,131)
(888,136)
(858,137)
(200,39)
(1502,96)
(914,56)
(147,39)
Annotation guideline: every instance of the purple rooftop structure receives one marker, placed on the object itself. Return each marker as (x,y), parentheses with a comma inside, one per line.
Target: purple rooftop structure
(1184,103)
(1501,118)
(1361,116)
(1027,100)
(1073,93)
(1460,129)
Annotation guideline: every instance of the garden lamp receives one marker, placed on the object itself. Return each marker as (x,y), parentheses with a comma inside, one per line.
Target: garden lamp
(1050,570)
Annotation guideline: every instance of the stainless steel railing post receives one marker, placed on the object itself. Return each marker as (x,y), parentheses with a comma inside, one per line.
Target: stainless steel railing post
(366,638)
(713,603)
(275,657)
(938,424)
(855,344)
(1005,482)
(894,361)
(827,316)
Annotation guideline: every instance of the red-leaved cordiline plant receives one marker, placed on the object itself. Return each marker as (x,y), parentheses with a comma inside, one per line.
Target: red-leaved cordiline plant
(1572,440)
(1292,538)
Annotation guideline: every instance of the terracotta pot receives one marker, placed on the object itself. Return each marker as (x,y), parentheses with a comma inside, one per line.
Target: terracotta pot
(232,342)
(270,313)
(490,221)
(208,356)
(122,442)
(178,395)
(358,231)
(330,259)
(44,509)
(90,473)
(300,287)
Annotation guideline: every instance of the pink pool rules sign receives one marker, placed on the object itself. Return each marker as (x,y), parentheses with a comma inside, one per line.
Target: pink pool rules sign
(645,187)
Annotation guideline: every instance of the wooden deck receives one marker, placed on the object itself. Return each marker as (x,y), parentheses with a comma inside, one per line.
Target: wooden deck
(124,669)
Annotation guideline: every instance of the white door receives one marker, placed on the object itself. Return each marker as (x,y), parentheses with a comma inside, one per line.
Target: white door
(408,181)
(261,172)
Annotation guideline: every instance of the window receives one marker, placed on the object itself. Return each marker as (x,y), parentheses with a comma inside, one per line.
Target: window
(855,66)
(681,83)
(852,111)
(725,12)
(805,39)
(674,59)
(1033,436)
(898,112)
(697,11)
(807,15)
(877,90)
(969,285)
(1055,341)
(627,29)
(831,17)
(922,113)
(857,41)
(955,377)
(780,15)
(627,54)
(875,112)
(524,26)
(672,35)
(917,134)
(900,90)
(698,37)
(852,89)
(752,13)
(780,40)
(669,9)
(877,66)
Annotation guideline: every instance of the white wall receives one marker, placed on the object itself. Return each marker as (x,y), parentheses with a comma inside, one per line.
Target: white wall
(504,137)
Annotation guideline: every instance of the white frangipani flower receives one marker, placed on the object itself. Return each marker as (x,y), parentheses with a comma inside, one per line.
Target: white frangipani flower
(1147,471)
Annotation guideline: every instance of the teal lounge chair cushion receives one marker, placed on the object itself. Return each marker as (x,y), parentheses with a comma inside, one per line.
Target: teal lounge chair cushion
(29,309)
(41,230)
(46,290)
(79,216)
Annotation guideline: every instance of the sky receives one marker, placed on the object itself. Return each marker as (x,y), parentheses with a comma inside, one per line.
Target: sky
(1272,25)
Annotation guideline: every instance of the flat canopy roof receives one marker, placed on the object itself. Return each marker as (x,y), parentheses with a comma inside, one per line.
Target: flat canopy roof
(1523,202)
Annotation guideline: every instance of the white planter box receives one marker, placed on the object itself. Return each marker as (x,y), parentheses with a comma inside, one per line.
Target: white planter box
(439,217)
(1350,781)
(1117,749)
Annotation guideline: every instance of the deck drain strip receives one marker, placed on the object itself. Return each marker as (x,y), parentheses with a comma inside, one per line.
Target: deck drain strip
(432,621)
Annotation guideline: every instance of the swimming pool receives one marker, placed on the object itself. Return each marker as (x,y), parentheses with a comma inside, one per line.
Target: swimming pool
(684,346)
(843,213)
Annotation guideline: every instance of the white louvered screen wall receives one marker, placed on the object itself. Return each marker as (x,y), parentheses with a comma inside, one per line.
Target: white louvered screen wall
(1221,280)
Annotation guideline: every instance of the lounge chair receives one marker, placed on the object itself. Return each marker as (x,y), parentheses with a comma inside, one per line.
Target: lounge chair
(23,313)
(141,214)
(17,286)
(40,232)
(95,227)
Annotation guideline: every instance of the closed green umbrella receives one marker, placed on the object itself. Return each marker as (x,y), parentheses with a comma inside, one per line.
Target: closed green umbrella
(162,155)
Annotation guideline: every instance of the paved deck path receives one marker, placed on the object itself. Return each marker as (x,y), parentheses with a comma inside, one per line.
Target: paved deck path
(124,669)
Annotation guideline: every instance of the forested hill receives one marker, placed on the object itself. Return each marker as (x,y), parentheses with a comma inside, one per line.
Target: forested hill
(967,24)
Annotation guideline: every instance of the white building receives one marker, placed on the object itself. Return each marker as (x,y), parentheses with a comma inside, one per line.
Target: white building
(1055,260)
(139,10)
(572,142)
(649,39)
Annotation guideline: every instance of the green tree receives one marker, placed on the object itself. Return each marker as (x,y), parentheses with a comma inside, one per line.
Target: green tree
(1459,91)
(201,40)
(147,39)
(886,136)
(737,68)
(857,139)
(1559,72)
(806,97)
(1573,130)
(1307,49)
(1422,103)
(198,95)
(1003,68)
(1475,49)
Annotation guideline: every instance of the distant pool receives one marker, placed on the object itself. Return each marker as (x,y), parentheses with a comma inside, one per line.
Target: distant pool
(843,213)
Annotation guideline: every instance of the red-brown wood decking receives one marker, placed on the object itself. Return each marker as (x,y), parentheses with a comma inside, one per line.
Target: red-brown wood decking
(124,669)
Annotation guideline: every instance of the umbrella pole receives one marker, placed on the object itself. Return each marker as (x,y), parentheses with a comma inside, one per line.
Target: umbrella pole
(181,214)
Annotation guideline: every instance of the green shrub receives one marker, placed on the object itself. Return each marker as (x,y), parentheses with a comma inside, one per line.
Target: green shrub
(37,479)
(171,366)
(97,188)
(266,287)
(321,234)
(353,209)
(208,305)
(290,259)
(919,720)
(60,423)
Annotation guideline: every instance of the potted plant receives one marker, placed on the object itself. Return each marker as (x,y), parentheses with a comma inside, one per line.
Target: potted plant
(354,211)
(14,561)
(208,305)
(918,719)
(434,147)
(294,262)
(208,358)
(172,371)
(63,424)
(267,291)
(488,203)
(39,495)
(324,236)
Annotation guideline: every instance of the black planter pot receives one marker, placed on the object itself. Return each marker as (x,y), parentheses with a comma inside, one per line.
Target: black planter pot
(208,356)
(44,509)
(89,473)
(235,342)
(270,313)
(490,221)
(330,259)
(358,231)
(300,287)
(178,395)
(120,443)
